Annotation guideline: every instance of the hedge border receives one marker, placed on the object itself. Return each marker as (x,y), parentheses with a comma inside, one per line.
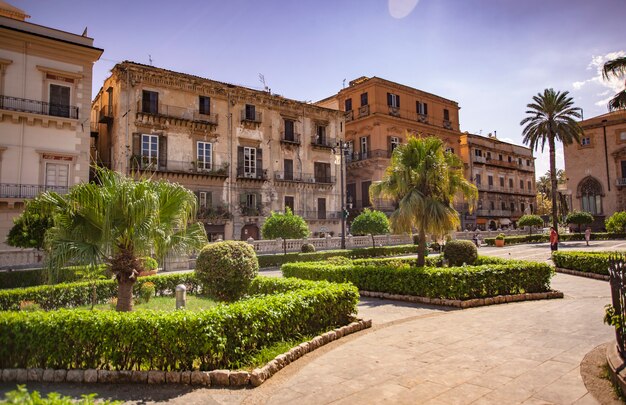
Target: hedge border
(214,378)
(464,304)
(571,272)
(567,237)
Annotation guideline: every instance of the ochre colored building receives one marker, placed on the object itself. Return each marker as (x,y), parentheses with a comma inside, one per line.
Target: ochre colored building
(596,167)
(243,152)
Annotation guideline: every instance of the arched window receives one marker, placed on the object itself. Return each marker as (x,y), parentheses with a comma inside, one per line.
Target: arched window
(590,194)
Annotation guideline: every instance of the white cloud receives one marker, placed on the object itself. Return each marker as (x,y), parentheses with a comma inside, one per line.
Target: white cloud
(401,8)
(610,86)
(579,85)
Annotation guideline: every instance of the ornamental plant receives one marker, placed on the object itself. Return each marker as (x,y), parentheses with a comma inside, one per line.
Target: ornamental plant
(579,218)
(616,222)
(307,248)
(370,222)
(146,291)
(530,221)
(500,236)
(459,252)
(29,229)
(226,269)
(286,226)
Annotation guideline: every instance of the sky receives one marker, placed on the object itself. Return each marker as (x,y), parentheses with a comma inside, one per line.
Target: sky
(491,56)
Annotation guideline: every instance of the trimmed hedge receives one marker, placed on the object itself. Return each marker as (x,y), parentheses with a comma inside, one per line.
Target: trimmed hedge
(513,240)
(220,337)
(279,259)
(32,277)
(467,282)
(78,294)
(588,262)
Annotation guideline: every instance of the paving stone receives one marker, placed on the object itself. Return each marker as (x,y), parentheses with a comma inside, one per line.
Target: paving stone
(35,374)
(75,376)
(90,376)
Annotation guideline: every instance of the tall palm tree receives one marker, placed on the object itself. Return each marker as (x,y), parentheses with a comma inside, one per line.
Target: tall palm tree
(118,221)
(424,179)
(551,118)
(616,68)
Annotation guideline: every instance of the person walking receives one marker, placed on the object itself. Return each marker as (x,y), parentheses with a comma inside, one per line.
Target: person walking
(476,242)
(554,240)
(587,235)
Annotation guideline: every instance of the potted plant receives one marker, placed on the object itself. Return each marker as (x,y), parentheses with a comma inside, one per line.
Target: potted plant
(500,240)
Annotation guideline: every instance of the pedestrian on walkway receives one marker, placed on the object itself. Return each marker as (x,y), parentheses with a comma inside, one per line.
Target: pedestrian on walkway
(554,240)
(587,235)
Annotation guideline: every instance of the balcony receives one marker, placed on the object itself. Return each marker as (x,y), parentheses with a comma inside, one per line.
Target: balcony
(254,117)
(8,190)
(38,107)
(349,115)
(312,215)
(364,111)
(257,174)
(252,211)
(290,138)
(215,214)
(447,124)
(105,115)
(323,142)
(371,154)
(394,111)
(620,182)
(479,159)
(493,213)
(183,114)
(207,118)
(144,163)
(503,163)
(423,118)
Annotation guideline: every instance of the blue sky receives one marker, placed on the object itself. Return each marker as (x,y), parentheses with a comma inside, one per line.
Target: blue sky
(491,56)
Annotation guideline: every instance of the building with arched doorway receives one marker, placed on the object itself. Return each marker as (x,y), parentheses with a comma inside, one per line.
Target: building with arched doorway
(596,167)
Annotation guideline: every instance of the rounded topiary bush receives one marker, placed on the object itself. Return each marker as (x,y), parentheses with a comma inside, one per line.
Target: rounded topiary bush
(457,252)
(307,248)
(226,269)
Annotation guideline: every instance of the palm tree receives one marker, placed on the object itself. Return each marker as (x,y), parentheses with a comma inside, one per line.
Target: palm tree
(118,221)
(424,179)
(551,118)
(616,68)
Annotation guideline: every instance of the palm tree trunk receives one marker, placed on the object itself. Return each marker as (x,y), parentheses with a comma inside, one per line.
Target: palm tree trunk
(126,267)
(125,295)
(551,143)
(421,248)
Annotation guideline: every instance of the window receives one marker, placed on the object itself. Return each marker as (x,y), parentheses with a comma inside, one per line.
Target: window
(450,150)
(478,180)
(149,150)
(205,155)
(501,181)
(510,159)
(204,105)
(519,161)
(510,183)
(364,99)
(503,205)
(500,157)
(59,101)
(521,184)
(365,193)
(394,141)
(530,207)
(110,101)
(492,205)
(622,136)
(590,193)
(529,184)
(348,104)
(320,137)
(488,155)
(478,152)
(251,200)
(623,165)
(523,207)
(446,114)
(490,180)
(350,148)
(250,113)
(393,100)
(512,207)
(290,202)
(289,133)
(527,162)
(321,208)
(288,165)
(586,141)
(150,102)
(364,146)
(422,108)
(204,199)
(249,162)
(57,175)
(321,171)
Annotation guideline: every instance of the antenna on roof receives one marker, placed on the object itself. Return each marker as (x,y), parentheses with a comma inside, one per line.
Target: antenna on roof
(262,80)
(343,86)
(85,32)
(150,59)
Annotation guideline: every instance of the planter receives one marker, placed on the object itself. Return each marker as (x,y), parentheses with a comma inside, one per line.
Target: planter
(499,242)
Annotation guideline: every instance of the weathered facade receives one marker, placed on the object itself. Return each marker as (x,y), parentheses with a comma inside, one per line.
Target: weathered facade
(45,93)
(243,152)
(504,174)
(596,167)
(379,116)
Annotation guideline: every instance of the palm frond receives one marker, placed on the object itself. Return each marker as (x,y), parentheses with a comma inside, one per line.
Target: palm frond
(614,68)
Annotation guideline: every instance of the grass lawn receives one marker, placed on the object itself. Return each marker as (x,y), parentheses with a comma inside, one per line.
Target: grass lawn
(194,303)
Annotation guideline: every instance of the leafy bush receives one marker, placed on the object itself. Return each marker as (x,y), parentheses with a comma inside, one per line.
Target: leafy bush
(220,337)
(616,222)
(459,252)
(579,218)
(286,226)
(149,263)
(226,269)
(590,262)
(466,282)
(31,277)
(370,223)
(146,291)
(338,260)
(530,221)
(307,248)
(277,260)
(29,306)
(22,396)
(500,236)
(435,246)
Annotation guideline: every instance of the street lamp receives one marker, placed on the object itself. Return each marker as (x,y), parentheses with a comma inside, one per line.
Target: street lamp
(342,147)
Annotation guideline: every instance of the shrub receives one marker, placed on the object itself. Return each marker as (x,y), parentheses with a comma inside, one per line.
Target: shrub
(590,262)
(499,278)
(459,252)
(286,226)
(220,337)
(338,260)
(149,263)
(22,396)
(500,236)
(435,246)
(616,222)
(307,248)
(530,221)
(146,291)
(29,306)
(370,223)
(226,269)
(32,277)
(579,218)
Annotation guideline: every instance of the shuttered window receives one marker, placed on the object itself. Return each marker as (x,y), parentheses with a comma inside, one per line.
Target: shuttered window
(59,100)
(205,155)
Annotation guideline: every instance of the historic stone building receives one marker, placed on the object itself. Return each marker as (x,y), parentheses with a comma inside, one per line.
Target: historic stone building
(45,93)
(379,115)
(596,167)
(504,174)
(243,152)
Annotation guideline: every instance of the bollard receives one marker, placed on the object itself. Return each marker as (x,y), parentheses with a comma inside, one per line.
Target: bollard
(181,296)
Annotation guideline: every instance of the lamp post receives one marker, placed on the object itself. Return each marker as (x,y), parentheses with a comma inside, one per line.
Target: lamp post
(606,155)
(342,147)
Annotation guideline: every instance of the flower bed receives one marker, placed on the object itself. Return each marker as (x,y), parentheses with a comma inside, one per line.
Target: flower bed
(221,337)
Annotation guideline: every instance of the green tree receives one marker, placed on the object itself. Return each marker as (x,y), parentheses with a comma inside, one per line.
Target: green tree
(117,222)
(551,118)
(424,179)
(370,223)
(616,222)
(286,226)
(579,218)
(530,221)
(616,68)
(29,229)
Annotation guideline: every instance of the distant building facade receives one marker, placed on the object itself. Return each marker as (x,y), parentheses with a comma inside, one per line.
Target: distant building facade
(596,167)
(504,174)
(243,152)
(45,93)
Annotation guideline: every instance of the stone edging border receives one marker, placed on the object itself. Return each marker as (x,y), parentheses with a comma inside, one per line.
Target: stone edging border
(215,378)
(572,272)
(476,302)
(617,371)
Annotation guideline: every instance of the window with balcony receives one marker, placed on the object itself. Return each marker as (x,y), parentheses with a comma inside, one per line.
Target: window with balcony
(57,174)
(290,202)
(364,101)
(59,98)
(348,104)
(149,150)
(422,108)
(364,140)
(205,199)
(204,105)
(503,205)
(446,114)
(205,156)
(394,141)
(322,172)
(289,130)
(321,208)
(288,165)
(250,112)
(393,100)
(249,162)
(320,134)
(478,179)
(150,102)
(512,207)
(492,205)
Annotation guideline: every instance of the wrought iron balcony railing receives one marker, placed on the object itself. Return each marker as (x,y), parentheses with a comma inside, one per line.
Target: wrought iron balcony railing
(323,141)
(370,154)
(290,137)
(249,116)
(105,116)
(8,190)
(38,107)
(258,174)
(172,111)
(213,168)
